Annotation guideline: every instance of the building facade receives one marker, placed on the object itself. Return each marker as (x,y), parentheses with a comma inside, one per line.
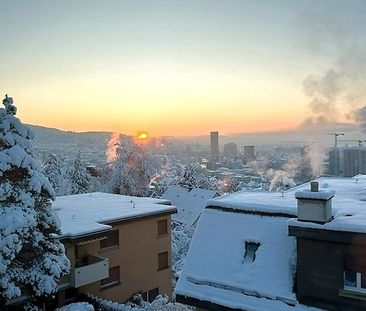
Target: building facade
(131,254)
(214,146)
(347,161)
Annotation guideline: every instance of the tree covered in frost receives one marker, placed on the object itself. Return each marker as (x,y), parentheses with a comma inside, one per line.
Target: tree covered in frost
(208,183)
(78,177)
(132,170)
(229,185)
(188,179)
(31,258)
(53,172)
(181,241)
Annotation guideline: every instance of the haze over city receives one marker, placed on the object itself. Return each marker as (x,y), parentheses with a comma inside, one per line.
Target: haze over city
(183,68)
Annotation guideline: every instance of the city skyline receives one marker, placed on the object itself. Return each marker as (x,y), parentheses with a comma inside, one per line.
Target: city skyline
(173,68)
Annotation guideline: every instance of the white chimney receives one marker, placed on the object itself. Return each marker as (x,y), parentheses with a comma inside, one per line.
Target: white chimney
(314,205)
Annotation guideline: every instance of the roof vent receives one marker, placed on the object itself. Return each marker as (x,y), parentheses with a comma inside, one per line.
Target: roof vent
(314,205)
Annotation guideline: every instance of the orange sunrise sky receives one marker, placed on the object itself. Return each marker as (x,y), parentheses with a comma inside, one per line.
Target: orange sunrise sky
(168,67)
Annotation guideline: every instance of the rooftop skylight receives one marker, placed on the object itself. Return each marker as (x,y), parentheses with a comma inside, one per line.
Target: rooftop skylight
(250,251)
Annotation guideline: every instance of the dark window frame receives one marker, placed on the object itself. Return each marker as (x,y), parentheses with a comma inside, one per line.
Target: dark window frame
(109,281)
(162,265)
(162,227)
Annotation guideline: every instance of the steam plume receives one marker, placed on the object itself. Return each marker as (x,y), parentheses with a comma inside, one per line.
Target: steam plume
(112,146)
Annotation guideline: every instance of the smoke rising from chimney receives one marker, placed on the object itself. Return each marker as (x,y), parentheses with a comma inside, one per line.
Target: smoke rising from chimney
(338,94)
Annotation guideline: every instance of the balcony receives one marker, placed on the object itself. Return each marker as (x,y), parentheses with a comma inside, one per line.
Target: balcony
(88,270)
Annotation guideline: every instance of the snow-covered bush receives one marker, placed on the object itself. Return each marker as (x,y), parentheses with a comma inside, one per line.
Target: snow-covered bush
(79,306)
(31,258)
(161,303)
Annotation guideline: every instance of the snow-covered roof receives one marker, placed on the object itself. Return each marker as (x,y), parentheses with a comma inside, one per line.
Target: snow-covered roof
(89,213)
(348,203)
(189,203)
(215,270)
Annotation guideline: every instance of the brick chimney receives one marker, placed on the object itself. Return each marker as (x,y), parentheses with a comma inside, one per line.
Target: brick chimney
(314,205)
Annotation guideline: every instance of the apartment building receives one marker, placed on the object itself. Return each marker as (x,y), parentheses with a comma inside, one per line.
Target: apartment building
(118,246)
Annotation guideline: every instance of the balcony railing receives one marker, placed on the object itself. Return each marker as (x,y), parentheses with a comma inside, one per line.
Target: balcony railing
(88,270)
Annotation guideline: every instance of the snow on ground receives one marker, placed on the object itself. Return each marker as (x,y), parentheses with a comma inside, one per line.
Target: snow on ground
(86,213)
(79,306)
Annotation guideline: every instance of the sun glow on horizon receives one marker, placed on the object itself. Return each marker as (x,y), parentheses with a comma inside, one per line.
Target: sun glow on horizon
(142,135)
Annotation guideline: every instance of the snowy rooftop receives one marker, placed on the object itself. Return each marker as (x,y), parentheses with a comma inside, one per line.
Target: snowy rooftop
(348,203)
(217,271)
(83,214)
(189,203)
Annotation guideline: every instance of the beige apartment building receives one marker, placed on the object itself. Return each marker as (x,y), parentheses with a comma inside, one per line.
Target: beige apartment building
(118,246)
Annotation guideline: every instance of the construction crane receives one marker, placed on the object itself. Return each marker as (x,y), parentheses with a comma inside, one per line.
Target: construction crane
(336,138)
(359,141)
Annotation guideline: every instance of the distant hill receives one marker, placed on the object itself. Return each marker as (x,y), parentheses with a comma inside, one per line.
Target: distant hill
(66,144)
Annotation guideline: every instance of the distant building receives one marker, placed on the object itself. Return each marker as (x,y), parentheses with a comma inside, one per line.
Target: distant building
(214,146)
(118,246)
(347,161)
(266,251)
(249,153)
(230,151)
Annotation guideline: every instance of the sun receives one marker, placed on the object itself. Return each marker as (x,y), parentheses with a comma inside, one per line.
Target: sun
(142,135)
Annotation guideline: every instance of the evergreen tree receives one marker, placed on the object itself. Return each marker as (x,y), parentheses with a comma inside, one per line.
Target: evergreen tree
(79,179)
(31,258)
(52,170)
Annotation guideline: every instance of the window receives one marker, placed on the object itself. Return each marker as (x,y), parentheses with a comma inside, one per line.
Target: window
(152,294)
(163,261)
(250,251)
(71,293)
(162,227)
(113,278)
(111,240)
(355,281)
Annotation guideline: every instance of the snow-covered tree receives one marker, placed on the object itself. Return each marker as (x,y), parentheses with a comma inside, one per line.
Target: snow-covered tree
(229,185)
(188,179)
(52,170)
(208,183)
(181,241)
(31,258)
(78,177)
(132,170)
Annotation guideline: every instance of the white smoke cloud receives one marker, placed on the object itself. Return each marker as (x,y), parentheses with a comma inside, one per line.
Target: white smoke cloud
(112,145)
